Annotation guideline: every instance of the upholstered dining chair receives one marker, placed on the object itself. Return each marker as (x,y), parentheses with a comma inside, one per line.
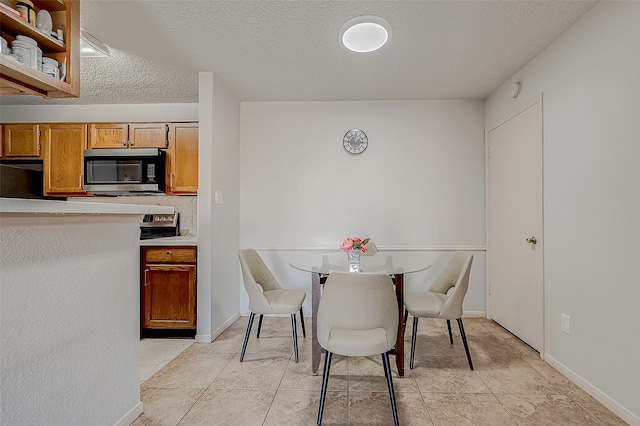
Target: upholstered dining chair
(443,300)
(266,296)
(358,316)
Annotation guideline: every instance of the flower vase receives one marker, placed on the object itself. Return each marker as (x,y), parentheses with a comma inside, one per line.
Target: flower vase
(354,260)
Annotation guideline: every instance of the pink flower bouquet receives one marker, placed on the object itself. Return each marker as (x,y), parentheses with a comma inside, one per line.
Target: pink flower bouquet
(355,244)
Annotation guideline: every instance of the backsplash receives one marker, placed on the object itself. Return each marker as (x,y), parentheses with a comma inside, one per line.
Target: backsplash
(187,206)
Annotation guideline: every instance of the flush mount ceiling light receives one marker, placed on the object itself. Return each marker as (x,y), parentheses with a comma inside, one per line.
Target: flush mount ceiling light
(365,33)
(91,47)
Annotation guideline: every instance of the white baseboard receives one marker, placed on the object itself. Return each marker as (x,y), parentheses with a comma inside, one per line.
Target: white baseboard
(604,399)
(131,416)
(474,314)
(208,338)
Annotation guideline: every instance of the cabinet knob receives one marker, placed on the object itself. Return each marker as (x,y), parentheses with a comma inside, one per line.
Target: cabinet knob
(168,252)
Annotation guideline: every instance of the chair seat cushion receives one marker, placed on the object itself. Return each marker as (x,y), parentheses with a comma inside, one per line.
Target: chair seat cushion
(350,342)
(425,304)
(284,301)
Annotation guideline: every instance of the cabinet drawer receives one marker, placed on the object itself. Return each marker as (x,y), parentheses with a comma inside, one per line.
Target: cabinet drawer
(170,254)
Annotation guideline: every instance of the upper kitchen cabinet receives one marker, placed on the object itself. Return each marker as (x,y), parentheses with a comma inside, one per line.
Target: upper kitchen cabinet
(128,135)
(182,159)
(63,167)
(18,78)
(20,141)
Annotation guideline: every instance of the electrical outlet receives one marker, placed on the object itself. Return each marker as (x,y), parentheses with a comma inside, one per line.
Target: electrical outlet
(565,324)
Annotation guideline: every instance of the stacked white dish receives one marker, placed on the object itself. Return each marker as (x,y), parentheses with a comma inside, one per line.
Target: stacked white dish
(50,67)
(27,51)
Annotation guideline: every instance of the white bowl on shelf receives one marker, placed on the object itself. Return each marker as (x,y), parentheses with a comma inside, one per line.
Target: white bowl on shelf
(44,22)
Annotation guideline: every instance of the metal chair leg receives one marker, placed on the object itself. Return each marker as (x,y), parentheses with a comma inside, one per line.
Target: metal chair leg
(450,334)
(413,341)
(246,336)
(259,326)
(304,332)
(406,314)
(464,341)
(295,335)
(325,380)
(392,396)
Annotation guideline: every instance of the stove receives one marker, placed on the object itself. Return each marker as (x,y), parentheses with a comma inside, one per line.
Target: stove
(160,226)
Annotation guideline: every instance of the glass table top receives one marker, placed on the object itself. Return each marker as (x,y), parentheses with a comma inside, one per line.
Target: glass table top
(381,262)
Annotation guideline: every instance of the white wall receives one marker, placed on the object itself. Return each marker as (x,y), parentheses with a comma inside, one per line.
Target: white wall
(218,270)
(69,320)
(590,79)
(419,186)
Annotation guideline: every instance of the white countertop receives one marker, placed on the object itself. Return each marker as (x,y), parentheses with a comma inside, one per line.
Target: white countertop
(183,240)
(34,206)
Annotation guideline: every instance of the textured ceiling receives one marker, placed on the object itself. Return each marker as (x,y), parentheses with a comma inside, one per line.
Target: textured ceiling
(289,50)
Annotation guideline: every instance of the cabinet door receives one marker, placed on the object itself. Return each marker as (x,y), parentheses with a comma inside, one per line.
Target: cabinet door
(108,135)
(148,135)
(21,140)
(182,159)
(63,165)
(169,296)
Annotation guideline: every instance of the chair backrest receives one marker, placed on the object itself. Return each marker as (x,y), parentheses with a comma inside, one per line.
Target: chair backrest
(454,275)
(257,278)
(358,301)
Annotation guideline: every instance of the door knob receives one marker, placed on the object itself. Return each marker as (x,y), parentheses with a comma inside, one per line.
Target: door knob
(532,240)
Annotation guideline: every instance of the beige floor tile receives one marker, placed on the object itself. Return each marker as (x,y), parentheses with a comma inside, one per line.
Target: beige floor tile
(450,380)
(370,408)
(546,410)
(367,374)
(516,377)
(241,407)
(263,374)
(466,409)
(165,407)
(189,371)
(270,388)
(294,408)
(299,375)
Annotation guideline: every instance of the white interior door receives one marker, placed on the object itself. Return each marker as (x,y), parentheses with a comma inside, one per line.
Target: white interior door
(514,217)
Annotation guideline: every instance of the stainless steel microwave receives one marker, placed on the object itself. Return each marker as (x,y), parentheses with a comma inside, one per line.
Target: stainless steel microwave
(124,171)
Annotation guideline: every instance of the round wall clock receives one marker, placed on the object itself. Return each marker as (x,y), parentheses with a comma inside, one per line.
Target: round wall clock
(355,141)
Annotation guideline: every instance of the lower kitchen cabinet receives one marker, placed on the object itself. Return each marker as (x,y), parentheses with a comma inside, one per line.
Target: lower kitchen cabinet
(168,294)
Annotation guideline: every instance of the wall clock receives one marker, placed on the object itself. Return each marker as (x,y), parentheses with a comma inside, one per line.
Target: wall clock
(355,141)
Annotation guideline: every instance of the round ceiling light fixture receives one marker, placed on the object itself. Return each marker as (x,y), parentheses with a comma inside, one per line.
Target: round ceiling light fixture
(365,33)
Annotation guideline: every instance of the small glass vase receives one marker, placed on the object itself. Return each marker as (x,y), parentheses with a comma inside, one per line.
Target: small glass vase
(354,260)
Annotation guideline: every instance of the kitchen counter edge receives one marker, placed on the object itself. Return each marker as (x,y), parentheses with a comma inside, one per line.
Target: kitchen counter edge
(54,207)
(183,240)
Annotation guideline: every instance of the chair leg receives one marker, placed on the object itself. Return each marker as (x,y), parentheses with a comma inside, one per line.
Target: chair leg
(413,341)
(295,335)
(325,380)
(259,326)
(464,340)
(450,334)
(246,336)
(392,396)
(304,332)
(406,314)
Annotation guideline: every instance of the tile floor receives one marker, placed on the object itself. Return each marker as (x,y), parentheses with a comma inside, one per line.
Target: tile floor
(205,384)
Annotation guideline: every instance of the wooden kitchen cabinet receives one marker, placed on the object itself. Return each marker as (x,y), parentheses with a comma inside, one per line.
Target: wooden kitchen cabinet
(168,282)
(20,141)
(128,135)
(63,165)
(182,159)
(17,78)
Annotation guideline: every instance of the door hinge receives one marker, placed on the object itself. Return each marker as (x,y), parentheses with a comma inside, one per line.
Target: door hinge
(489,289)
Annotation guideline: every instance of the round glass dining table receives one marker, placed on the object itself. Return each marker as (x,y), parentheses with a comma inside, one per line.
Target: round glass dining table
(395,264)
